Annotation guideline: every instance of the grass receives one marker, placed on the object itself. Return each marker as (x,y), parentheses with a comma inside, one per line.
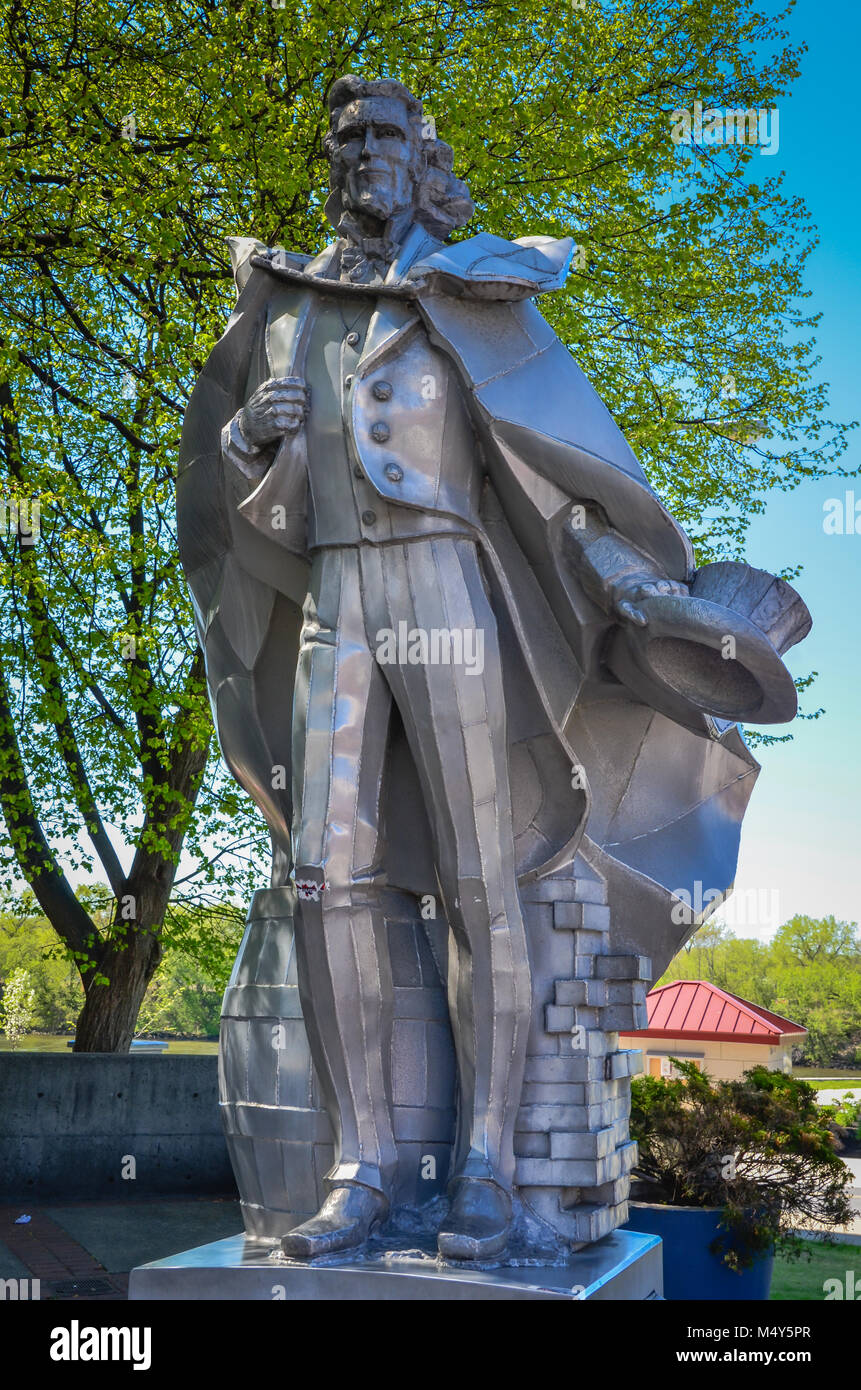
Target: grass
(804,1279)
(828,1076)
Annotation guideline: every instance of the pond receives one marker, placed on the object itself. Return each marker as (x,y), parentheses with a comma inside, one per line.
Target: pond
(58,1042)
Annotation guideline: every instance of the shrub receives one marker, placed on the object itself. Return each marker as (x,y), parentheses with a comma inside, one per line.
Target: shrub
(760,1148)
(17,1008)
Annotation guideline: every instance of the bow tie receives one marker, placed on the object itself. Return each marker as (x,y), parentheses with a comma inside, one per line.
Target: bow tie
(362,249)
(373,248)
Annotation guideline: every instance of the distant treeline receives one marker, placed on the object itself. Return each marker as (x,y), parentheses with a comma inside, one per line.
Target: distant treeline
(184,995)
(810,972)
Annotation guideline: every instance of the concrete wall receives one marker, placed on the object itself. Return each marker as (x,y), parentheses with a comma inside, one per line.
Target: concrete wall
(724,1061)
(70,1125)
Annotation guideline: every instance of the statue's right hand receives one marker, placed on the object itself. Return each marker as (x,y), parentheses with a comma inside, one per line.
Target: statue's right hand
(278,407)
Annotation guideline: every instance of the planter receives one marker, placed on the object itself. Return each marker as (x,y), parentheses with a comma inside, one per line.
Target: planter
(691,1271)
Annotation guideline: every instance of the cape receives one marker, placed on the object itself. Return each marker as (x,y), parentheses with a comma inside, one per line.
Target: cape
(654,807)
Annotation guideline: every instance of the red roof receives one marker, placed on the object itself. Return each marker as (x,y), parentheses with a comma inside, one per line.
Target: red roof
(698,1009)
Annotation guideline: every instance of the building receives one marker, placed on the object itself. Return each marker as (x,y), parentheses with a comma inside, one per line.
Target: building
(724,1035)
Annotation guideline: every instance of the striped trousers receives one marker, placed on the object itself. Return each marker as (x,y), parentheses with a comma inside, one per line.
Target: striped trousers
(350,673)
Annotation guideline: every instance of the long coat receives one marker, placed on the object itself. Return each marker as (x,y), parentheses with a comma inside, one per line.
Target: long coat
(659,808)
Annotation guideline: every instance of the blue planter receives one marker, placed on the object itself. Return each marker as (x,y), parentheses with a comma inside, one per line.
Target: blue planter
(691,1271)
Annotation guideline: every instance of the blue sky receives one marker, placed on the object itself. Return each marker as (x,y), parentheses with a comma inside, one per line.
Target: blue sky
(801,846)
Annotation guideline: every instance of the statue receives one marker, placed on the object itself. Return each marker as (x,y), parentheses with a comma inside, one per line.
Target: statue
(458,649)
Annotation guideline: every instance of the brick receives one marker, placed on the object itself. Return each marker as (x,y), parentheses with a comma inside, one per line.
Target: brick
(587,1018)
(625,1018)
(588,943)
(550,1093)
(613,1110)
(602,1093)
(594,1045)
(558,1018)
(627,1063)
(620,1131)
(591,1066)
(567,916)
(555,1069)
(596,917)
(591,890)
(571,991)
(588,879)
(544,1118)
(594,1221)
(623,968)
(531,1145)
(548,1172)
(550,890)
(596,1144)
(627,1153)
(572,1172)
(625,991)
(609,1193)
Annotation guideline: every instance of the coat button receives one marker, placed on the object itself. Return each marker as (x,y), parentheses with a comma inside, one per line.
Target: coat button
(382,390)
(359,472)
(394,473)
(351,339)
(348,381)
(380,432)
(369,517)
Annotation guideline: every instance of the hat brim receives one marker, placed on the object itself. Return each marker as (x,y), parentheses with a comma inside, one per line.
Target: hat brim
(695,657)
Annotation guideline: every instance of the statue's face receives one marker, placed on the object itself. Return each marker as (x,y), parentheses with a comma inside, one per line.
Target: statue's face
(376,153)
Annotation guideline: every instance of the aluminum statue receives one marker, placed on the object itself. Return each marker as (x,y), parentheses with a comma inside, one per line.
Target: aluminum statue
(460,656)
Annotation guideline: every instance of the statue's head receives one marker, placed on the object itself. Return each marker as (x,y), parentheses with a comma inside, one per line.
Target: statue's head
(383,159)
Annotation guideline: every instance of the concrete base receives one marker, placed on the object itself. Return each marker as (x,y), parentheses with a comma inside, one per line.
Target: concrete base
(625,1266)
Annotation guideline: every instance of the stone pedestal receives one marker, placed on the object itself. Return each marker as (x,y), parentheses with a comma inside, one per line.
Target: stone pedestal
(624,1266)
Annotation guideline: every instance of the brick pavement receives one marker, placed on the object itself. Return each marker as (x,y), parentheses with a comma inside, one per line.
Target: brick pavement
(64,1268)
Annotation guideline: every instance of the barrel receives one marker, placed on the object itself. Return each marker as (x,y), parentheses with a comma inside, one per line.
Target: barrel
(278,1134)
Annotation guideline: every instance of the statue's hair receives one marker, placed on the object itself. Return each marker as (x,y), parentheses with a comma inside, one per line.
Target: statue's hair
(442,201)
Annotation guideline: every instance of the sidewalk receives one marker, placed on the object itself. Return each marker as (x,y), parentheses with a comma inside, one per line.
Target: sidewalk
(85,1250)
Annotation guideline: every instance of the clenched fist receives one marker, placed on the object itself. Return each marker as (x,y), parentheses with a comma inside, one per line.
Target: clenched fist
(278,407)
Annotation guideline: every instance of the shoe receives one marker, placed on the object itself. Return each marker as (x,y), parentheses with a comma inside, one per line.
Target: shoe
(478,1221)
(345,1220)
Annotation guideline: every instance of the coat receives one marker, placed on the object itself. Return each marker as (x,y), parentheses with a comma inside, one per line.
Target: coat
(654,807)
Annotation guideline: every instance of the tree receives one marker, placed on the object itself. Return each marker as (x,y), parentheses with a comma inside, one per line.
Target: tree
(823,940)
(809,972)
(17,1006)
(138,135)
(28,942)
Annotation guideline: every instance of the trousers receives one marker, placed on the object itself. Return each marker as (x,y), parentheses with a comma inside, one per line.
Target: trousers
(350,673)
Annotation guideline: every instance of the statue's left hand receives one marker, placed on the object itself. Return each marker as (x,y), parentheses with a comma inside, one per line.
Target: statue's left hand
(635,588)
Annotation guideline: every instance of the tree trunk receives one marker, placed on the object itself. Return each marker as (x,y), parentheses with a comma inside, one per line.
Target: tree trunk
(107,1020)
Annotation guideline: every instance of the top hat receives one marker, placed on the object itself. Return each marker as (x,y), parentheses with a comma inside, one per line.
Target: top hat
(715,651)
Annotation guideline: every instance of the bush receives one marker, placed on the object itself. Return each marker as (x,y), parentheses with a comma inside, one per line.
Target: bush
(17,1006)
(847,1112)
(760,1148)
